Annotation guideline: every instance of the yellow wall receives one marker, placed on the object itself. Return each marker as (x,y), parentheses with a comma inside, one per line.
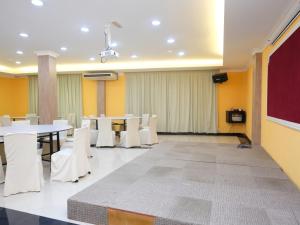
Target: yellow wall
(281,142)
(89,97)
(232,94)
(13,96)
(115,97)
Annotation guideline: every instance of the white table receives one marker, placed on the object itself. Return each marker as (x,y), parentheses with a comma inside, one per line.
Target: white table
(14,118)
(124,118)
(41,130)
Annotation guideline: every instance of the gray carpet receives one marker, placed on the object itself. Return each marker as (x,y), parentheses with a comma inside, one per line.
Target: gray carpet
(194,183)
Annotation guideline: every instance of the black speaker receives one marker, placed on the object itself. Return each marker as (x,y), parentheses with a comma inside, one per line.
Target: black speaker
(220,78)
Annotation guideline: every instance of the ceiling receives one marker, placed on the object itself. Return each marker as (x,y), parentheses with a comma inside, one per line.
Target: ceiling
(196,26)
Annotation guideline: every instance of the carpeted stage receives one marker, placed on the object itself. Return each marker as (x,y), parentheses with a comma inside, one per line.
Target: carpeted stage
(191,183)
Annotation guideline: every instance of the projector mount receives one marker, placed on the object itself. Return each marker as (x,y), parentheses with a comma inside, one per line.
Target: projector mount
(109,52)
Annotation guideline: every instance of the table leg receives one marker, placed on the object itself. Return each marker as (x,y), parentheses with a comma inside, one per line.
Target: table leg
(96,124)
(51,144)
(58,141)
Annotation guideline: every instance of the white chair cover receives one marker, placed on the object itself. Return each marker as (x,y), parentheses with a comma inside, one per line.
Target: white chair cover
(131,137)
(62,135)
(106,136)
(145,120)
(1,172)
(87,124)
(30,114)
(93,132)
(102,115)
(71,163)
(5,120)
(128,115)
(71,117)
(34,120)
(24,165)
(148,135)
(93,122)
(20,123)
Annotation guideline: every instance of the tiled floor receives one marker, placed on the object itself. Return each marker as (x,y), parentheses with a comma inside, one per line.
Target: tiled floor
(13,217)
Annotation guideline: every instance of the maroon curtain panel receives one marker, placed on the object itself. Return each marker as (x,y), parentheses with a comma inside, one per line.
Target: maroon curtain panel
(284,80)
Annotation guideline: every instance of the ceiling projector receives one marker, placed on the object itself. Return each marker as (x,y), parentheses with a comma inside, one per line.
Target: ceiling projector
(110,53)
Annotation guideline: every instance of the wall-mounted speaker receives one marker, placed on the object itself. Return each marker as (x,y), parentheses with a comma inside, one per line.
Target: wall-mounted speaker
(220,78)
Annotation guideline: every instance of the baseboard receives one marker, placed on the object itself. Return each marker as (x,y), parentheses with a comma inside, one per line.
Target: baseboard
(241,136)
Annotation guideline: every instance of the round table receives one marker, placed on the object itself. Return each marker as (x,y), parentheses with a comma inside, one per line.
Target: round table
(45,130)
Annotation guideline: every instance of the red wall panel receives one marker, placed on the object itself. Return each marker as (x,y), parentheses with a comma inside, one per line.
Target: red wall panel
(284,80)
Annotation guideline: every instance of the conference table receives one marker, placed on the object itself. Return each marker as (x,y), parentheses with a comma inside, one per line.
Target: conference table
(123,118)
(45,130)
(14,118)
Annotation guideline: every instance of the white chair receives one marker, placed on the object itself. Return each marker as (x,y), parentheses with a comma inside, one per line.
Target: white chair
(30,114)
(129,115)
(70,141)
(148,134)
(91,136)
(93,121)
(145,120)
(62,135)
(34,120)
(102,115)
(71,117)
(1,172)
(131,137)
(106,136)
(5,120)
(20,123)
(24,164)
(93,132)
(71,163)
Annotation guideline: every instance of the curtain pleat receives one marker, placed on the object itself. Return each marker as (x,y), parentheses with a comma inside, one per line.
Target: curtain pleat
(70,96)
(183,100)
(33,94)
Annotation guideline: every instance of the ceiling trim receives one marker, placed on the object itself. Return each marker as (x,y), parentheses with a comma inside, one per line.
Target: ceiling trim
(129,66)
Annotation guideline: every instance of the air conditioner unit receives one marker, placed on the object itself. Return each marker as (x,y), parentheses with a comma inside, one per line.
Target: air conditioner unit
(101,75)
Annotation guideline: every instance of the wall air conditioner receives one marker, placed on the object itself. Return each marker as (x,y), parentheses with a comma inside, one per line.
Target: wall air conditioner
(101,76)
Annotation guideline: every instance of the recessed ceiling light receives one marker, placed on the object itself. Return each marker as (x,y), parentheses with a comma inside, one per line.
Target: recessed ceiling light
(171,40)
(18,62)
(19,52)
(114,44)
(63,49)
(37,2)
(92,59)
(155,22)
(134,56)
(181,53)
(24,35)
(85,29)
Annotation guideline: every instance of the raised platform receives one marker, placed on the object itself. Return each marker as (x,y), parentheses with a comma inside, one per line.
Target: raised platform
(191,183)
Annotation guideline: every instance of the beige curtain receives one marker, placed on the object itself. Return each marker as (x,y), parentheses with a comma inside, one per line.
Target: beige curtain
(70,96)
(33,94)
(185,101)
